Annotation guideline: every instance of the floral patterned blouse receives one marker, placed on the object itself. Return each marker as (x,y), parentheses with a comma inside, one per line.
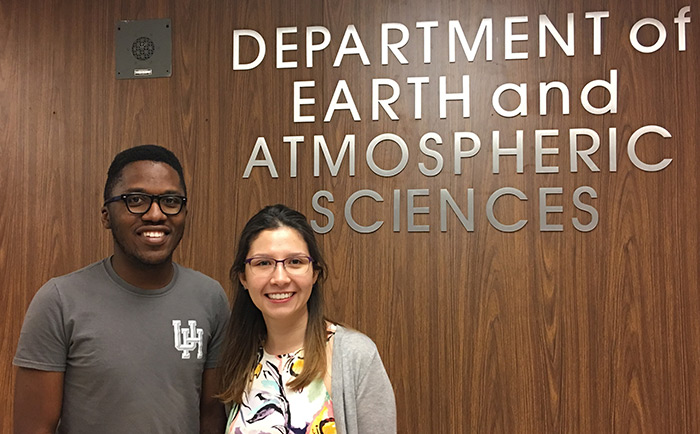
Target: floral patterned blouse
(270,407)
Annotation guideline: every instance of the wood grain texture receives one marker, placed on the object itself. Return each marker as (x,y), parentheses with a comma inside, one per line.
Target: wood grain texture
(480,330)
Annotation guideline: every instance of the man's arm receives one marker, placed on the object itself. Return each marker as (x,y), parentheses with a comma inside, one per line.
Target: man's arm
(212,417)
(38,401)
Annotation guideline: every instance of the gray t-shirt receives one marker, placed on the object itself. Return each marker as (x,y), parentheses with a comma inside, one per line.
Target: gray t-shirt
(133,358)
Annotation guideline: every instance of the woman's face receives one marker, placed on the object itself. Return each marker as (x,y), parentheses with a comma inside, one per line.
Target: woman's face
(280,295)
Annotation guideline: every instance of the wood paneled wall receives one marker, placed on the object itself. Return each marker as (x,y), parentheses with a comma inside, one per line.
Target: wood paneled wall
(480,331)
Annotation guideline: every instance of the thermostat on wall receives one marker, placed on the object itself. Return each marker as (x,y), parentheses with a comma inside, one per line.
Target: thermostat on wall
(143,48)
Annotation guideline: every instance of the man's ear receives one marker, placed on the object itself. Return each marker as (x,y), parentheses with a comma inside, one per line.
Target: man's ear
(104,218)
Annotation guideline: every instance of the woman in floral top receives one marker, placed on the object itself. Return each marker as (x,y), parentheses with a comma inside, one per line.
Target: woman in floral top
(278,370)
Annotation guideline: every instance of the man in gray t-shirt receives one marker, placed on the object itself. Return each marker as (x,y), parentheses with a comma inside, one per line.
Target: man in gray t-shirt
(127,344)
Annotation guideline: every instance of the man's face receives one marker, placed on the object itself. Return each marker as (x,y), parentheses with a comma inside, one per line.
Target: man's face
(150,238)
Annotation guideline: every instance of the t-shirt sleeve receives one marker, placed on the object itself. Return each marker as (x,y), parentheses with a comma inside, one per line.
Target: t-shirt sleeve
(221,315)
(42,342)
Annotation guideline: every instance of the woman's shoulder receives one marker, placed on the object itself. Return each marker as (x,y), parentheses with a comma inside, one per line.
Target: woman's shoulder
(349,341)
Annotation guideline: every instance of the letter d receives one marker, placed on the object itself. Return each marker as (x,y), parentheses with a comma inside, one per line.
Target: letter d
(610,86)
(237,65)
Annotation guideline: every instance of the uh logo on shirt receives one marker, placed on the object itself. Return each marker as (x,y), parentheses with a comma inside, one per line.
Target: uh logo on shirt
(188,339)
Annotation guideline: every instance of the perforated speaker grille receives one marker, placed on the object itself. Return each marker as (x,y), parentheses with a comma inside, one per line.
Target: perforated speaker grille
(143,49)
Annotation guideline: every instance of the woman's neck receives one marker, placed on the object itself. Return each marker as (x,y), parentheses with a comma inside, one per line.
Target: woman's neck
(284,337)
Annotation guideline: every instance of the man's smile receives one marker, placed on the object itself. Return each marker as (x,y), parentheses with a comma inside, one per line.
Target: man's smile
(154,234)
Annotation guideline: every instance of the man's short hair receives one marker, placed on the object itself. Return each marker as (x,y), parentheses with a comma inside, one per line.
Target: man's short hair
(141,153)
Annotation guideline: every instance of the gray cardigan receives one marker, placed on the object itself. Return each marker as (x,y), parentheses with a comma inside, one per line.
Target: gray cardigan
(362,396)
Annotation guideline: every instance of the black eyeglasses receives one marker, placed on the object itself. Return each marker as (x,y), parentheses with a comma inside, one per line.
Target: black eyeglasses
(140,203)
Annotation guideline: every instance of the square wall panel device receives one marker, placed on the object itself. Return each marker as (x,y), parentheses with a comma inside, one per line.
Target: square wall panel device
(143,48)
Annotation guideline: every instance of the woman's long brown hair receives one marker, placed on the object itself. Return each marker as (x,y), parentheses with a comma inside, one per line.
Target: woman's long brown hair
(246,331)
